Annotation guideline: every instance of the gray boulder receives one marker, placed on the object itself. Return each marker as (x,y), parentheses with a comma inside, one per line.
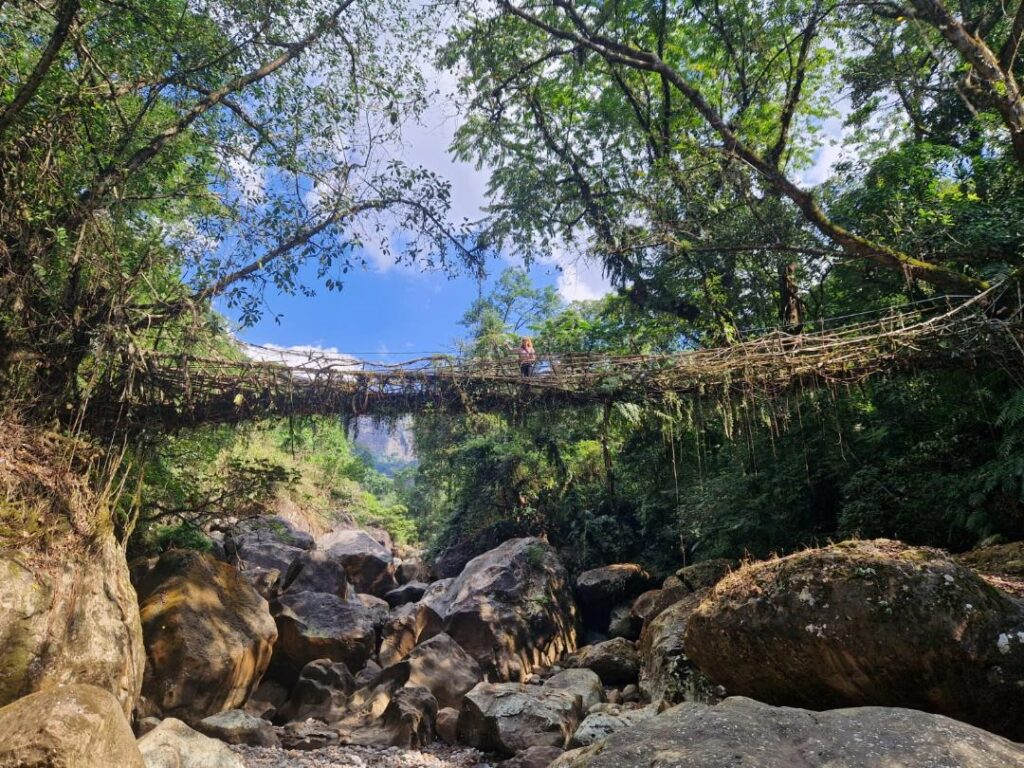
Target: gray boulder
(615,661)
(407,593)
(582,683)
(512,717)
(172,744)
(317,625)
(743,732)
(317,571)
(511,609)
(320,693)
(238,727)
(441,666)
(406,627)
(601,724)
(601,589)
(369,564)
(667,675)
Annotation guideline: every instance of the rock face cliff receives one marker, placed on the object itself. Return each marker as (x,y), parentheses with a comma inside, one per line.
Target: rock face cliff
(68,612)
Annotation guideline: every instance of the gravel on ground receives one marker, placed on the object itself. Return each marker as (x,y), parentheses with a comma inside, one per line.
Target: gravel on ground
(437,756)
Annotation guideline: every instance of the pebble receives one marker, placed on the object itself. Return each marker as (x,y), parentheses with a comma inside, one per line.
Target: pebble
(436,756)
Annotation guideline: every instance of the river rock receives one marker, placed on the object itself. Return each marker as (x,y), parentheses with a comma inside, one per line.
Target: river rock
(208,636)
(172,744)
(317,571)
(407,593)
(622,622)
(74,726)
(601,589)
(238,727)
(412,570)
(447,725)
(743,732)
(406,627)
(534,757)
(705,574)
(867,622)
(72,619)
(667,675)
(511,609)
(582,683)
(599,725)
(441,666)
(407,721)
(317,625)
(511,717)
(320,693)
(263,549)
(266,699)
(615,661)
(370,565)
(650,604)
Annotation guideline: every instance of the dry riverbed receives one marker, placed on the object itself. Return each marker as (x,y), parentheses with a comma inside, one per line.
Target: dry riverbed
(437,756)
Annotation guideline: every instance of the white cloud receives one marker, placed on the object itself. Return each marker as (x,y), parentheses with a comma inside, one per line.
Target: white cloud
(582,281)
(309,357)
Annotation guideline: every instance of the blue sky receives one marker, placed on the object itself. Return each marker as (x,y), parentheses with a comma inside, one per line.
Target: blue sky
(392,312)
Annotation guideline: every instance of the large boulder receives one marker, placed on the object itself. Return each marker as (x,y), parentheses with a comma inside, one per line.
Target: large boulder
(511,717)
(866,622)
(70,619)
(263,548)
(237,727)
(172,744)
(453,560)
(406,627)
(369,564)
(615,661)
(317,625)
(208,636)
(407,721)
(667,675)
(74,726)
(511,609)
(442,667)
(601,589)
(316,571)
(742,732)
(321,693)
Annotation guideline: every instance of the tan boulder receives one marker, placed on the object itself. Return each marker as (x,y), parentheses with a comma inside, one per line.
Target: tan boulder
(866,622)
(208,635)
(74,726)
(406,627)
(369,563)
(72,619)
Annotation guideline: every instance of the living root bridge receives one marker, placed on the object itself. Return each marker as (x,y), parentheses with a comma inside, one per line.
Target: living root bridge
(179,391)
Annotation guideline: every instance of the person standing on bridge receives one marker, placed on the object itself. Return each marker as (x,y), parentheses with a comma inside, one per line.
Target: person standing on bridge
(527,357)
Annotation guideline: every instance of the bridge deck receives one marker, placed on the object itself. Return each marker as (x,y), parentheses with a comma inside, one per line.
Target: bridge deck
(179,390)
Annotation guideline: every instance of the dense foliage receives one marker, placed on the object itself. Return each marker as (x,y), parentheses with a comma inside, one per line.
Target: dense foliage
(308,470)
(733,166)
